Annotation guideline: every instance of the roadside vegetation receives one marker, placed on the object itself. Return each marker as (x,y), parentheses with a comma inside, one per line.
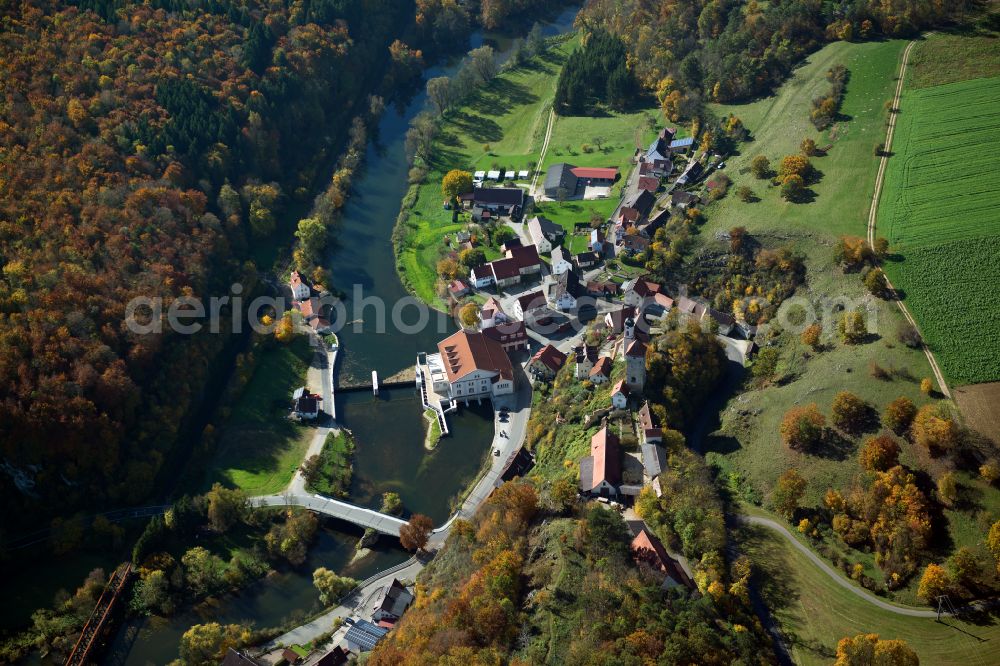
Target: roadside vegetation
(814,612)
(329,472)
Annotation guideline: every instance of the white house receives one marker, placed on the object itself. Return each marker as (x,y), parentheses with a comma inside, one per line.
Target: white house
(300,290)
(586,357)
(561,261)
(505,272)
(601,372)
(544,233)
(305,405)
(563,290)
(619,395)
(481,276)
(475,367)
(391,602)
(530,305)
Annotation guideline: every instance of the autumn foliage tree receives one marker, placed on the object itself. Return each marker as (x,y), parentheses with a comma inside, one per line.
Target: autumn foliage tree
(802,427)
(455,183)
(870,650)
(934,429)
(879,453)
(788,492)
(934,582)
(899,415)
(849,412)
(415,534)
(811,336)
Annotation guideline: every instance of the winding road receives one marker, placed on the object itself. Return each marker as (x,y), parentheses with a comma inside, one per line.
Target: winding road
(873,212)
(829,571)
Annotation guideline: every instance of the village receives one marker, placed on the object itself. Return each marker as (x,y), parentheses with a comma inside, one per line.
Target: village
(539,309)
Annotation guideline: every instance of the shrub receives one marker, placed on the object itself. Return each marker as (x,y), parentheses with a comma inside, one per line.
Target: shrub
(760,167)
(745,194)
(909,336)
(849,412)
(802,427)
(990,471)
(879,453)
(899,415)
(934,429)
(926,386)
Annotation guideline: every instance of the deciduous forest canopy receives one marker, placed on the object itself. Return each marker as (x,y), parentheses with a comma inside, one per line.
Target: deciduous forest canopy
(729,50)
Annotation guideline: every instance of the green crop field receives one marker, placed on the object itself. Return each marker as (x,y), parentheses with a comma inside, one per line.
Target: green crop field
(940,210)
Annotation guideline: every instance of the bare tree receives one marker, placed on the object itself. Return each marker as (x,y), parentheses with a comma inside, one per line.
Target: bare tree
(484,62)
(439,93)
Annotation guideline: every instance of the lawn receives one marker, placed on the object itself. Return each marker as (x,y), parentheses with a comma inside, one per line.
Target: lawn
(814,612)
(940,210)
(502,126)
(778,125)
(260,447)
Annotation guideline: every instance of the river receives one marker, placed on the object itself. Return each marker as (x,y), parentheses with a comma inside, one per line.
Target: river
(389,430)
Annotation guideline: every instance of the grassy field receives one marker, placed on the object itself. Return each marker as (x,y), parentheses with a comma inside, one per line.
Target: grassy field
(260,447)
(746,445)
(747,442)
(814,612)
(947,58)
(780,122)
(940,209)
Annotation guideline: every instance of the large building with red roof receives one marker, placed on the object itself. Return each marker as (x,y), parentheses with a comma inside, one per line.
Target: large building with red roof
(469,366)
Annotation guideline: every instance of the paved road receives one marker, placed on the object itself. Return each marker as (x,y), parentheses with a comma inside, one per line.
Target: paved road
(829,571)
(873,214)
(353,603)
(324,362)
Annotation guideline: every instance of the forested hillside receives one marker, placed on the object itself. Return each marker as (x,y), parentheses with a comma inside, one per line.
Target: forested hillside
(127,134)
(728,50)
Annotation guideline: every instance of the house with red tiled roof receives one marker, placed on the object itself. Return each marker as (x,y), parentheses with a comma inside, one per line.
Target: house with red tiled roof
(506,271)
(474,365)
(601,372)
(512,335)
(601,471)
(492,313)
(649,430)
(526,256)
(648,550)
(458,288)
(649,183)
(638,290)
(546,363)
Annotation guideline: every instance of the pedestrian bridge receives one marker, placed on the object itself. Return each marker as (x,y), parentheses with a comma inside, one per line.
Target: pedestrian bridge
(352,513)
